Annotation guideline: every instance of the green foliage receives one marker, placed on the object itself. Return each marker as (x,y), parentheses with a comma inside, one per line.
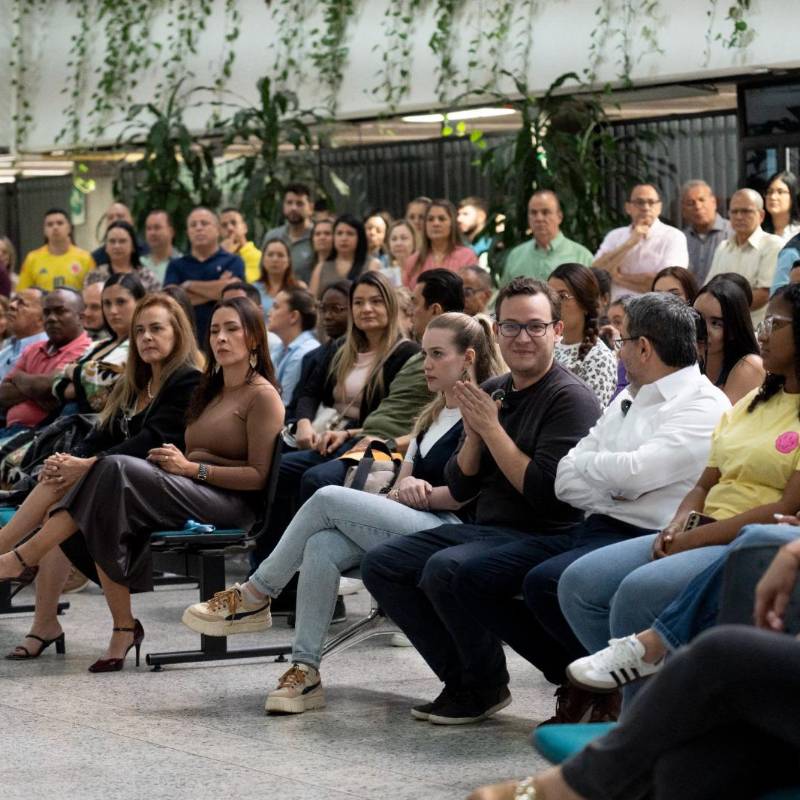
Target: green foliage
(394,75)
(328,52)
(442,43)
(740,33)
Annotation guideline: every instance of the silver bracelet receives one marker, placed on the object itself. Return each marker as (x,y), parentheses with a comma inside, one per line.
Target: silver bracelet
(202,472)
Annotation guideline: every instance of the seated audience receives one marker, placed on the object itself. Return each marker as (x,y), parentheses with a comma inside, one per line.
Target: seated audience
(331,532)
(548,247)
(205,271)
(182,299)
(58,263)
(782,215)
(405,311)
(472,215)
(277,273)
(749,251)
(376,226)
(417,213)
(292,318)
(296,231)
(159,234)
(794,274)
(5,333)
(603,279)
(92,314)
(123,258)
(635,253)
(234,418)
(440,245)
(403,242)
(234,240)
(477,289)
(704,228)
(788,255)
(321,243)
(146,409)
(349,257)
(8,265)
(26,324)
(27,391)
(516,429)
(117,212)
(730,357)
(751,476)
(678,281)
(580,349)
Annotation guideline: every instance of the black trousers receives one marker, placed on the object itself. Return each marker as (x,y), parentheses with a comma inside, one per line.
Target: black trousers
(722,719)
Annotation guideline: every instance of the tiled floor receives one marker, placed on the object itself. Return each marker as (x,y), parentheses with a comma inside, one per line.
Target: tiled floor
(200,731)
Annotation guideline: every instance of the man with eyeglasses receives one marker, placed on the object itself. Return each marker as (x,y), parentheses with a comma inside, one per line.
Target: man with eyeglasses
(477,289)
(750,251)
(635,253)
(517,427)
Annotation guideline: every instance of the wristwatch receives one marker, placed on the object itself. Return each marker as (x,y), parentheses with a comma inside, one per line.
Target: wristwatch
(202,472)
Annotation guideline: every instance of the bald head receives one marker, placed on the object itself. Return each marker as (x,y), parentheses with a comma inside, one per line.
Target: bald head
(118,212)
(62,310)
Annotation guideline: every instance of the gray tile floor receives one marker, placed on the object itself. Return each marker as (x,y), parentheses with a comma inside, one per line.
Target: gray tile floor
(200,731)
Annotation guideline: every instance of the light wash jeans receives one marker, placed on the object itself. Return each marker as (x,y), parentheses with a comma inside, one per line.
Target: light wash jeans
(329,535)
(619,590)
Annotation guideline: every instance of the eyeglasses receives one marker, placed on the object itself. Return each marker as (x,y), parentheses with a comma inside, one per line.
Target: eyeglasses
(332,308)
(534,329)
(771,192)
(470,292)
(643,203)
(765,328)
(618,342)
(742,212)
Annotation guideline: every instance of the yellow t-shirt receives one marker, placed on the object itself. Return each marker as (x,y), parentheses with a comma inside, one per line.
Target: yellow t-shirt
(251,256)
(755,453)
(43,270)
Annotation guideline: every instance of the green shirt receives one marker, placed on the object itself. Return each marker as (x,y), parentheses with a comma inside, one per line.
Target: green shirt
(531,261)
(408,394)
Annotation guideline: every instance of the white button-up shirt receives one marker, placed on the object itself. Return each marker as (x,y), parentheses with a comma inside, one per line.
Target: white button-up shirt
(637,467)
(756,260)
(664,246)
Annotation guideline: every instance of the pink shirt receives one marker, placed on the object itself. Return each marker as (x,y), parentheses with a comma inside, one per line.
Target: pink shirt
(40,359)
(460,257)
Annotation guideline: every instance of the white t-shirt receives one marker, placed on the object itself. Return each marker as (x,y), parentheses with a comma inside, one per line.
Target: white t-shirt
(440,426)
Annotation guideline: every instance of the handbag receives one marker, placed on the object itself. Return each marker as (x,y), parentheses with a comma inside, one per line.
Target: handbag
(371,474)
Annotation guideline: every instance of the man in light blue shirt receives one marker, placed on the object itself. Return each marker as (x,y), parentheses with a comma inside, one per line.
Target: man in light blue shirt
(292,318)
(26,323)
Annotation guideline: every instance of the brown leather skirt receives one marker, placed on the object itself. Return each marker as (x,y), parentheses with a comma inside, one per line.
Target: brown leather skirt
(123,499)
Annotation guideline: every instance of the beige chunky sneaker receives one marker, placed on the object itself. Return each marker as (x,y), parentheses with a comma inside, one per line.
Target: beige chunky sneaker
(227,613)
(299,689)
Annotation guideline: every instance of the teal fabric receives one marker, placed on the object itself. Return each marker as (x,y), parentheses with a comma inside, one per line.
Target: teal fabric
(6,512)
(218,532)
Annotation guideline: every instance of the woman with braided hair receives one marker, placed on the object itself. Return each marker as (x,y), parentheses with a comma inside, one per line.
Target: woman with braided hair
(581,349)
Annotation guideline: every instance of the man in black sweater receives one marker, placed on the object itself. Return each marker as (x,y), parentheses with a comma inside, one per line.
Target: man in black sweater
(516,429)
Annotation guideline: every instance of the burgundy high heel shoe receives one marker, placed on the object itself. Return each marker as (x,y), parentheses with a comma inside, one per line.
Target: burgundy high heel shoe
(25,577)
(116,664)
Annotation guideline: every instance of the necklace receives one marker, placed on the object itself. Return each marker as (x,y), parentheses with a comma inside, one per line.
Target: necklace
(149,393)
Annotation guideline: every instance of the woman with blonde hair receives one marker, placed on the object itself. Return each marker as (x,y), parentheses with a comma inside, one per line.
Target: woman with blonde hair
(8,265)
(332,531)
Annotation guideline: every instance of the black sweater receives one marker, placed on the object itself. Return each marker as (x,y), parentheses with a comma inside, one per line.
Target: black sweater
(318,389)
(545,421)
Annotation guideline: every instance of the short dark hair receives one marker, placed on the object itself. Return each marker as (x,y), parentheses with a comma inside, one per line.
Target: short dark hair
(483,275)
(298,188)
(795,265)
(232,210)
(166,213)
(530,287)
(667,323)
(603,278)
(442,286)
(250,291)
(342,286)
(475,202)
(303,302)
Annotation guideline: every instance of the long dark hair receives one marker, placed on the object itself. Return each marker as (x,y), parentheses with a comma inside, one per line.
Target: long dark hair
(360,255)
(790,179)
(289,280)
(739,339)
(685,278)
(212,382)
(585,288)
(136,261)
(127,280)
(774,383)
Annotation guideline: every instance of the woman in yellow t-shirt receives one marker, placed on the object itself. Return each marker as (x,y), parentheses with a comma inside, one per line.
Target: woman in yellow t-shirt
(753,473)
(59,263)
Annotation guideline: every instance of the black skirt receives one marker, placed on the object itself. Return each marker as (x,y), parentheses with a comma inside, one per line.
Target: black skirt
(123,499)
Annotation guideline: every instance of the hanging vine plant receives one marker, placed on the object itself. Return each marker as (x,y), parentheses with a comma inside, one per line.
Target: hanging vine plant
(442,43)
(394,75)
(291,50)
(740,33)
(328,51)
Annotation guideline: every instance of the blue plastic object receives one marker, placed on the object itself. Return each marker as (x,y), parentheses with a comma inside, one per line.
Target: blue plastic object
(6,513)
(189,531)
(198,527)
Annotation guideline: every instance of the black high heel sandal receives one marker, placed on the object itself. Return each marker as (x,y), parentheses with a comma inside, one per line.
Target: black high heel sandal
(116,664)
(58,641)
(25,578)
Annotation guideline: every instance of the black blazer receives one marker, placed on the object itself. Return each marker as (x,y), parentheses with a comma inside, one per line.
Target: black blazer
(163,421)
(318,389)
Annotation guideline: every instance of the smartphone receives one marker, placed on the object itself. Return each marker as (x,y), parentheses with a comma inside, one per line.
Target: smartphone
(696,519)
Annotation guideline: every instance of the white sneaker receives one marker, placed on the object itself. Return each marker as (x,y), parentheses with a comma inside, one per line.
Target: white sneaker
(299,689)
(350,585)
(620,663)
(228,612)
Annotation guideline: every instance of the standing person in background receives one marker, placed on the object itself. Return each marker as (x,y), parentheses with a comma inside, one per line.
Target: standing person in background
(117,212)
(477,289)
(440,245)
(92,314)
(296,231)
(376,226)
(322,244)
(635,253)
(547,247)
(750,251)
(704,228)
(59,262)
(277,273)
(417,213)
(234,232)
(159,233)
(403,242)
(472,215)
(207,268)
(26,324)
(787,258)
(123,254)
(782,214)
(8,263)
(678,281)
(349,258)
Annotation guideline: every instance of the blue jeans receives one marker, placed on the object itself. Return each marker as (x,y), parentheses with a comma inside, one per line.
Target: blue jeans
(619,590)
(697,607)
(329,535)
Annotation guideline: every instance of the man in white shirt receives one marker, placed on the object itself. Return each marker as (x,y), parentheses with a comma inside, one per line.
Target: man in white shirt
(629,474)
(750,251)
(634,254)
(26,323)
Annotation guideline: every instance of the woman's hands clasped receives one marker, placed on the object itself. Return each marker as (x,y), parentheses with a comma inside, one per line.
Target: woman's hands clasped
(64,470)
(172,460)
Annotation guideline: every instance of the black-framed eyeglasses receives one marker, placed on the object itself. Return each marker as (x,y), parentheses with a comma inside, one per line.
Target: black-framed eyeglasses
(620,340)
(534,329)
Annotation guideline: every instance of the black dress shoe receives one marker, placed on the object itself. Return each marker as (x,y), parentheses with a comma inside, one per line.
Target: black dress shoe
(466,706)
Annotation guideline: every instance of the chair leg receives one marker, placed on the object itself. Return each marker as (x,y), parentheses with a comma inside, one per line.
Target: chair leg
(376,623)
